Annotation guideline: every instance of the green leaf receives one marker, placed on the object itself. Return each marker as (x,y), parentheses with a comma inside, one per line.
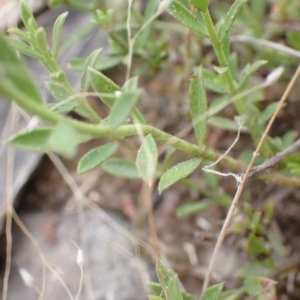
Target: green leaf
(102,63)
(41,39)
(213,292)
(121,167)
(131,84)
(193,208)
(96,157)
(106,89)
(90,62)
(174,290)
(24,48)
(10,79)
(28,18)
(56,33)
(104,86)
(155,288)
(230,17)
(151,297)
(201,4)
(64,139)
(256,286)
(215,86)
(164,274)
(183,15)
(198,106)
(267,113)
(182,170)
(248,70)
(63,107)
(57,90)
(293,39)
(233,294)
(146,160)
(256,246)
(225,124)
(34,140)
(19,33)
(122,108)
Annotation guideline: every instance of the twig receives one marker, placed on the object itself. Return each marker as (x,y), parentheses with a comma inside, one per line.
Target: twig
(265,43)
(9,205)
(271,162)
(241,185)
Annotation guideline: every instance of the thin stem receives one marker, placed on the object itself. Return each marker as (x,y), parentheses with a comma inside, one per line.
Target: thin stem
(218,48)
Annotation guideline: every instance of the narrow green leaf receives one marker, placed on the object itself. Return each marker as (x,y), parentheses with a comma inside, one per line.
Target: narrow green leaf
(215,86)
(106,89)
(24,48)
(193,208)
(164,274)
(201,4)
(235,294)
(256,286)
(248,70)
(258,9)
(90,62)
(63,107)
(96,157)
(57,90)
(213,292)
(19,33)
(256,246)
(225,124)
(221,70)
(131,84)
(155,288)
(56,33)
(64,139)
(104,86)
(151,297)
(122,108)
(34,140)
(267,113)
(146,160)
(20,80)
(230,17)
(27,17)
(198,106)
(121,167)
(41,39)
(174,290)
(183,15)
(182,170)
(102,63)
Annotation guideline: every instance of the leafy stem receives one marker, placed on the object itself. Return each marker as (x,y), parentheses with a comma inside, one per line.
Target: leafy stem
(99,131)
(219,51)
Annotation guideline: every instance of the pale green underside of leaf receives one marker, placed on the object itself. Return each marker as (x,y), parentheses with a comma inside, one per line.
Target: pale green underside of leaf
(96,157)
(122,108)
(181,170)
(64,139)
(35,140)
(121,167)
(146,160)
(198,106)
(213,292)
